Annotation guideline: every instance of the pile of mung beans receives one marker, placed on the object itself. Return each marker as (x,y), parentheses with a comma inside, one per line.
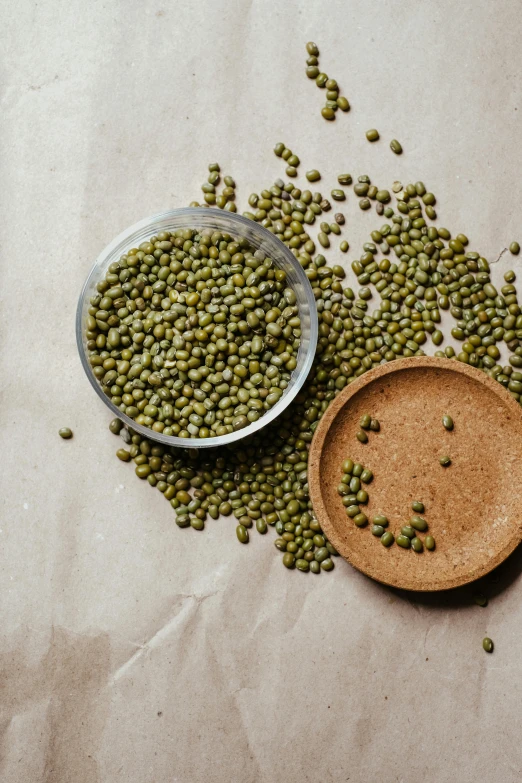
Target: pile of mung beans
(333,100)
(353,495)
(411,269)
(194,334)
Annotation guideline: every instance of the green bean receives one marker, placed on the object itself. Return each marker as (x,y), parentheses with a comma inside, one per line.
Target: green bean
(447,422)
(396,147)
(348,466)
(362,437)
(429,542)
(388,538)
(372,135)
(514,248)
(403,541)
(65,433)
(418,523)
(487,644)
(313,175)
(418,507)
(360,520)
(116,426)
(323,239)
(365,421)
(480,599)
(383,196)
(445,461)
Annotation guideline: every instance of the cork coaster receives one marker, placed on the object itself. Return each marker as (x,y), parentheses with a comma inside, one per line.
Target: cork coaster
(473,508)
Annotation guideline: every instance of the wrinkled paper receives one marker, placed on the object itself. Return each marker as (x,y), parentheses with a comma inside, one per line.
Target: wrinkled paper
(130,649)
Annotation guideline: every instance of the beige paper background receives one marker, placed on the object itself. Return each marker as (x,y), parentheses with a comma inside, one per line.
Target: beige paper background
(129,649)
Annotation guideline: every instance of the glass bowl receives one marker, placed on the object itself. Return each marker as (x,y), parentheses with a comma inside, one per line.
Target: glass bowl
(261,239)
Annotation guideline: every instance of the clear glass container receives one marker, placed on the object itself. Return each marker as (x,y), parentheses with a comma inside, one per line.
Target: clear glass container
(259,238)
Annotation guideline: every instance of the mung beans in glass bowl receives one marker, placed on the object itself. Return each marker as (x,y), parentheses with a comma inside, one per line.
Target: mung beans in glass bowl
(185,362)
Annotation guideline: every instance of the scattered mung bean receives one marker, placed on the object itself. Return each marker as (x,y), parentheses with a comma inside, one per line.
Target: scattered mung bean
(365,421)
(447,422)
(487,644)
(313,175)
(388,538)
(417,545)
(418,523)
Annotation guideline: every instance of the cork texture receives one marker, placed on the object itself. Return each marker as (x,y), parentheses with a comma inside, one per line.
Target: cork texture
(473,508)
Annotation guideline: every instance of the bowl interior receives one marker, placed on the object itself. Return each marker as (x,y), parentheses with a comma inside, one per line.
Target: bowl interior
(473,508)
(259,238)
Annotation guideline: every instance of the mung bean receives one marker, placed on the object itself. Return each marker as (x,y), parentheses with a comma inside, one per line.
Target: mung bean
(447,422)
(417,545)
(418,523)
(487,644)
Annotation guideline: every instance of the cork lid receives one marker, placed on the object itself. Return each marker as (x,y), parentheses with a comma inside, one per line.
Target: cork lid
(473,507)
